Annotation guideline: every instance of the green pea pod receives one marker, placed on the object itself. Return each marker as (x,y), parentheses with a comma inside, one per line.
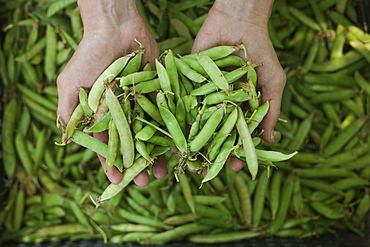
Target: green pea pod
(222,134)
(101,124)
(221,158)
(259,197)
(98,87)
(146,132)
(150,108)
(207,131)
(137,77)
(128,175)
(343,137)
(174,128)
(223,237)
(256,118)
(285,200)
(7,133)
(141,148)
(188,72)
(147,86)
(327,211)
(123,128)
(217,52)
(231,60)
(248,146)
(235,96)
(245,199)
(213,71)
(83,101)
(113,146)
(173,76)
(186,190)
(134,64)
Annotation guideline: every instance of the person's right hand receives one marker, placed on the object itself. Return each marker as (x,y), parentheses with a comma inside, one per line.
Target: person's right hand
(110,30)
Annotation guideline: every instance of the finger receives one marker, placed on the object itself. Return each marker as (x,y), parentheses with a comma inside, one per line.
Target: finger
(159,167)
(113,174)
(142,179)
(273,92)
(67,100)
(236,164)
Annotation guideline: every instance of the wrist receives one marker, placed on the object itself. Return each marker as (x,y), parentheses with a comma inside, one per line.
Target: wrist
(102,14)
(252,11)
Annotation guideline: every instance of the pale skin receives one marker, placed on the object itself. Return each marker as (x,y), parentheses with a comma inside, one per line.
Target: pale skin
(110,28)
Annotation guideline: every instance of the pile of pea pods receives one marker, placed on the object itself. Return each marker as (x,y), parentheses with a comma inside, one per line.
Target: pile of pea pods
(53,193)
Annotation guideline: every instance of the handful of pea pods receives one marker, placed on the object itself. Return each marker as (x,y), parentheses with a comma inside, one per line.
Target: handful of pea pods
(188,104)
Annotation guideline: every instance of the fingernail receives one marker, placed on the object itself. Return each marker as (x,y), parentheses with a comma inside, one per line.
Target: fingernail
(272,136)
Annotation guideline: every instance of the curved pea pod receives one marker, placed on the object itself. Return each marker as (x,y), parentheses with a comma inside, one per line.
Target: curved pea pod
(174,128)
(171,69)
(137,77)
(274,190)
(123,128)
(327,211)
(336,64)
(324,172)
(217,52)
(235,96)
(73,122)
(82,96)
(231,60)
(211,87)
(274,156)
(259,197)
(98,87)
(128,175)
(213,71)
(147,86)
(177,233)
(7,134)
(248,146)
(150,108)
(161,141)
(142,149)
(221,158)
(207,131)
(189,72)
(362,82)
(222,134)
(285,200)
(134,64)
(113,147)
(257,117)
(301,134)
(146,133)
(101,125)
(344,136)
(164,79)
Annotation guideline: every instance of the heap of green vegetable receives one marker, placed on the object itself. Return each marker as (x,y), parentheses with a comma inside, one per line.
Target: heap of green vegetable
(321,189)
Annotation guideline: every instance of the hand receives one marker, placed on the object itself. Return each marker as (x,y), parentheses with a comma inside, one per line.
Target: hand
(110,28)
(236,22)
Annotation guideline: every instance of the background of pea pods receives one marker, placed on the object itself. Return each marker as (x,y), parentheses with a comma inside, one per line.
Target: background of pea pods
(47,188)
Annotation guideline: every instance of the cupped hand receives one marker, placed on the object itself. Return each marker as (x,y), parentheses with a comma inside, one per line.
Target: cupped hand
(226,25)
(100,46)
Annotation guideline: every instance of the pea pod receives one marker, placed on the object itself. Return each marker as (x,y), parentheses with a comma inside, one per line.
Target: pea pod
(174,128)
(123,128)
(248,146)
(221,158)
(213,71)
(128,175)
(97,89)
(222,134)
(206,132)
